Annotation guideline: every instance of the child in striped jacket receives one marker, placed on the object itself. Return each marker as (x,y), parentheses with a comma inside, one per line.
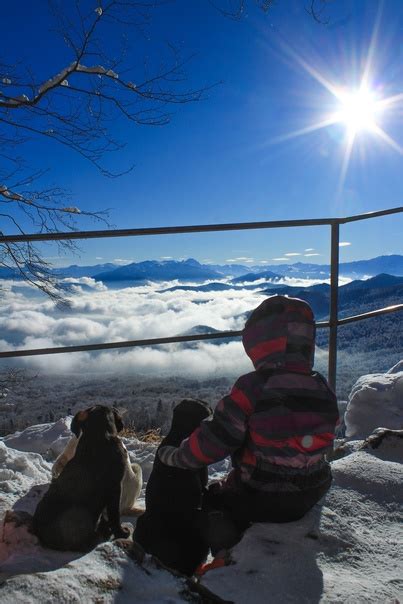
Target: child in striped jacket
(277,423)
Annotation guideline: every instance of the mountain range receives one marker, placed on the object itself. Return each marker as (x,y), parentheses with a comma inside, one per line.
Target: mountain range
(355,297)
(192,270)
(167,270)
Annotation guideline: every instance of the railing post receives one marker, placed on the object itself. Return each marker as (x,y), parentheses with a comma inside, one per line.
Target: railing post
(334,298)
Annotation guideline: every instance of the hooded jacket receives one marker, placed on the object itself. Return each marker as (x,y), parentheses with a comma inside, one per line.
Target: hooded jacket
(278,421)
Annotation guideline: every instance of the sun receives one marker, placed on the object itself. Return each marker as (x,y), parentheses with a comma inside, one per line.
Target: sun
(358,111)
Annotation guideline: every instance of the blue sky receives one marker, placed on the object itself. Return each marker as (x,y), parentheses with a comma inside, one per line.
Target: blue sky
(228,158)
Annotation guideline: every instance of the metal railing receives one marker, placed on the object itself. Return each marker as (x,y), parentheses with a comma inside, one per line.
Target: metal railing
(332,324)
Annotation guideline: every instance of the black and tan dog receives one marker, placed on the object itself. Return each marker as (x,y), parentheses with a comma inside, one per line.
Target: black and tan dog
(82,504)
(173,527)
(133,476)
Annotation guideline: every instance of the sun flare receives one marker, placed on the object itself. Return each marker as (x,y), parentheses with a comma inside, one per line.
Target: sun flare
(358,110)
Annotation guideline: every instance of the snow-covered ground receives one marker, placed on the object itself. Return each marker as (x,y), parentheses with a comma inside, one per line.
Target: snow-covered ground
(347,549)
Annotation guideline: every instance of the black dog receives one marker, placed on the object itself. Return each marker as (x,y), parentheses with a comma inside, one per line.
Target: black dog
(70,514)
(173,527)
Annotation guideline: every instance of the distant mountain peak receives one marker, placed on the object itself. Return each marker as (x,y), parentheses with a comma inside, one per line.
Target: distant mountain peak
(192,262)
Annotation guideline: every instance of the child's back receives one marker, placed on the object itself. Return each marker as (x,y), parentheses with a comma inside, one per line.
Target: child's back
(278,421)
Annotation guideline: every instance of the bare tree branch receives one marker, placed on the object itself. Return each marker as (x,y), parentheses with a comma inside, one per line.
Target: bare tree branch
(77,107)
(235,9)
(316,10)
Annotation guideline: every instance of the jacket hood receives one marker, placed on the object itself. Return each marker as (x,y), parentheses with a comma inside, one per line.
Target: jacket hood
(280,334)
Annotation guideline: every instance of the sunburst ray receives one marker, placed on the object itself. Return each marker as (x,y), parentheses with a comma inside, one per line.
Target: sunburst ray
(359,110)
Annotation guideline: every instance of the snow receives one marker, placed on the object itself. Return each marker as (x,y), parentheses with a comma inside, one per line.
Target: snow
(348,548)
(43,438)
(97,69)
(18,473)
(375,400)
(10,194)
(107,574)
(71,210)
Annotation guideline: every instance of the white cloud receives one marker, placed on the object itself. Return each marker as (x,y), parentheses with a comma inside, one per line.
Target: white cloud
(292,254)
(240,259)
(309,249)
(311,254)
(205,360)
(111,315)
(122,260)
(98,258)
(165,257)
(88,281)
(278,259)
(344,243)
(27,322)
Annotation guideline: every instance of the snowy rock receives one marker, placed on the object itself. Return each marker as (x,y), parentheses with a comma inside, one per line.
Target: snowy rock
(20,475)
(46,439)
(106,574)
(375,400)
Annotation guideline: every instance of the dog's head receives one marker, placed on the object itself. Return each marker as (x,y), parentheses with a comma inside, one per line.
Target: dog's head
(187,416)
(98,419)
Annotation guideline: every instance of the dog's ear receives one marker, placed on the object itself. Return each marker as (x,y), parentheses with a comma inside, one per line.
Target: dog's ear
(77,422)
(118,420)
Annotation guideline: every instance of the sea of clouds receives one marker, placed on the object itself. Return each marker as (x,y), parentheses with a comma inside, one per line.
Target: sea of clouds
(96,313)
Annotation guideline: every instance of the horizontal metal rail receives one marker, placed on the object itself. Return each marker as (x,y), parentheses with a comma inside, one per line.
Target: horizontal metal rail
(372,313)
(176,339)
(127,344)
(200,228)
